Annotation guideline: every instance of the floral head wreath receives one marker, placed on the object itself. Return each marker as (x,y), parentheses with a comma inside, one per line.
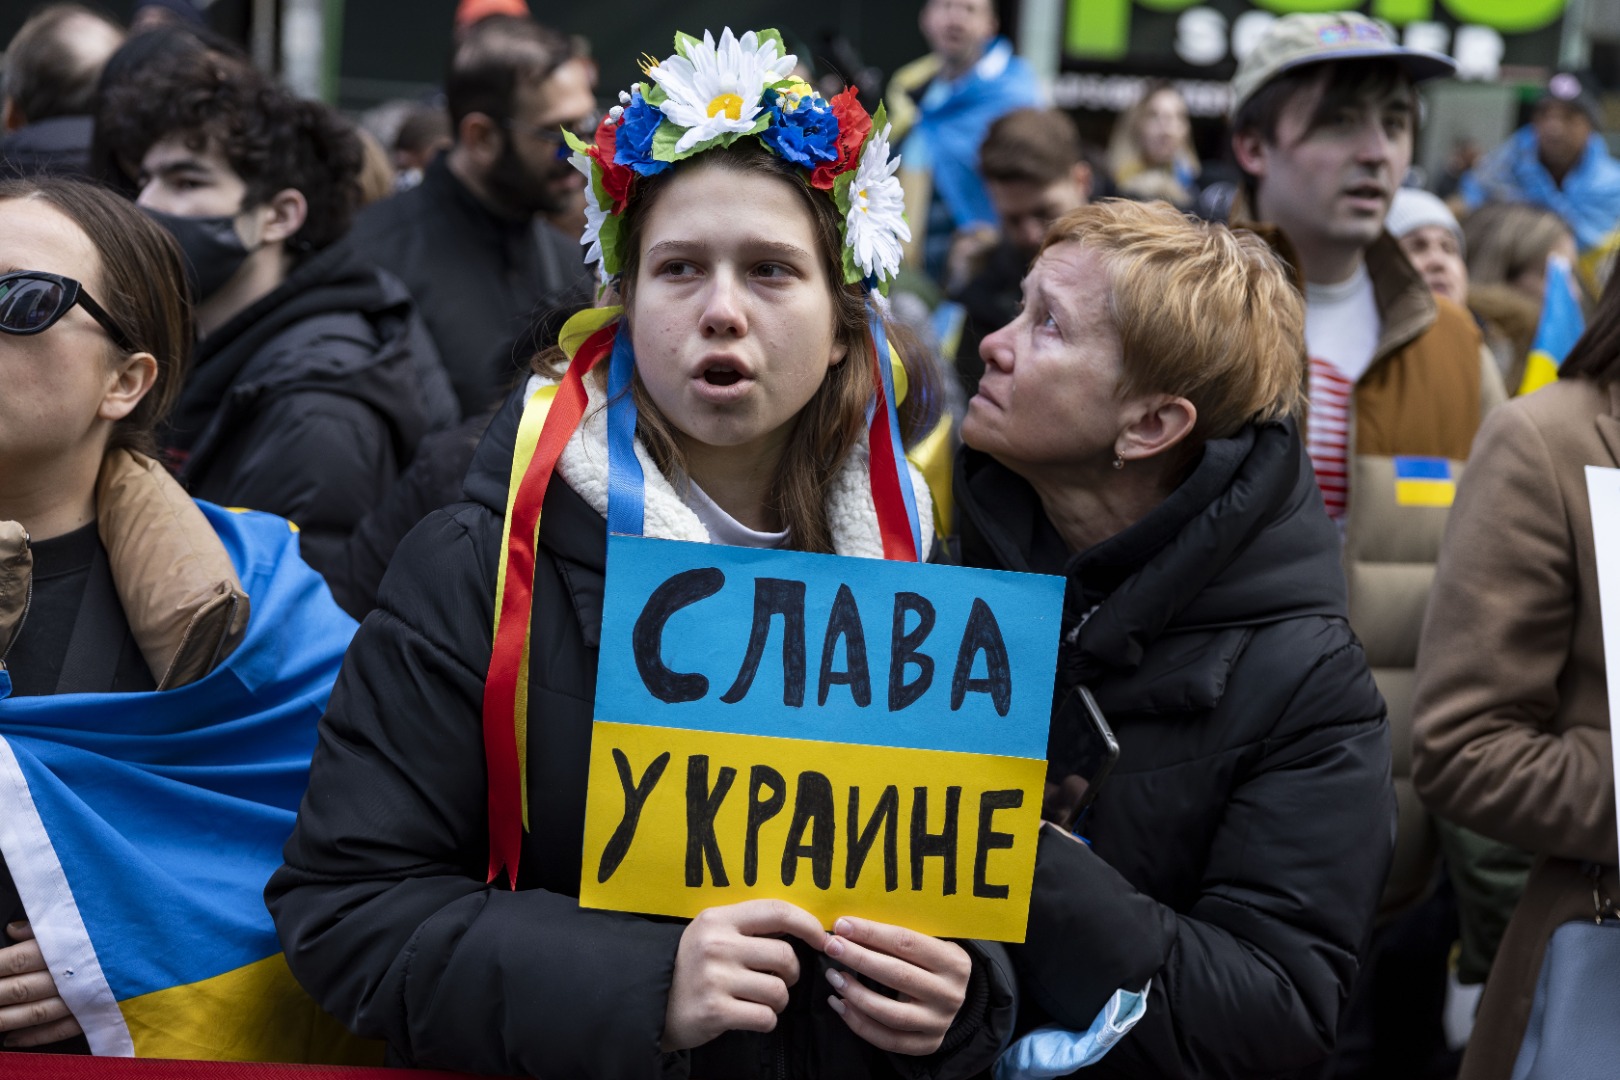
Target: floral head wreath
(709,95)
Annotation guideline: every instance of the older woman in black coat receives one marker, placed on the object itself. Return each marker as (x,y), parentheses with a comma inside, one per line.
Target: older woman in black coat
(1133,433)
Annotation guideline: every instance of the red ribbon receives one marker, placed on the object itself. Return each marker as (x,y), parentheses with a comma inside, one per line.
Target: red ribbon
(506,656)
(894,524)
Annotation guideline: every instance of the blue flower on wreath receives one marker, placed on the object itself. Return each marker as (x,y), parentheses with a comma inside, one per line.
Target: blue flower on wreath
(634,141)
(803,129)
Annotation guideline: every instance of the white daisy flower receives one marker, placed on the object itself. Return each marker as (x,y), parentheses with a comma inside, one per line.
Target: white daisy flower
(875,227)
(717,89)
(591,238)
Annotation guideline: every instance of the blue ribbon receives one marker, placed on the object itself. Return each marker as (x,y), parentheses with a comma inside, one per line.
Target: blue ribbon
(626,482)
(886,369)
(626,498)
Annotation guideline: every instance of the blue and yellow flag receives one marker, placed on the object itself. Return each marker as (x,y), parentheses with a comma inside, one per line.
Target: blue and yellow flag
(1424,481)
(140,830)
(1562,324)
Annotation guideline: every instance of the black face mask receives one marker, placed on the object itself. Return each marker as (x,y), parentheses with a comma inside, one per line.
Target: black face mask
(212,250)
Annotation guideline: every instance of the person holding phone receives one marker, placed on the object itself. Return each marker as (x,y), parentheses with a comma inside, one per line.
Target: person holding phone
(1135,433)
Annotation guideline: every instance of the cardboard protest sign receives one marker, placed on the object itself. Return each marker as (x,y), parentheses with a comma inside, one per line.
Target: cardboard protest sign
(1603,488)
(857,736)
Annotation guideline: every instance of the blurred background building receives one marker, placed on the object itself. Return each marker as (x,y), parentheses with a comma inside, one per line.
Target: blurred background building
(1094,55)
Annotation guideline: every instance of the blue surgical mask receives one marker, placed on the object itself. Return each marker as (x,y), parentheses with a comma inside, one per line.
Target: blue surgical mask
(1054,1051)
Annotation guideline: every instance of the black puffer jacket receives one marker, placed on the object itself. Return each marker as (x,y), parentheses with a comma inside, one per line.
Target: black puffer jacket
(310,402)
(1239,847)
(382,906)
(481,280)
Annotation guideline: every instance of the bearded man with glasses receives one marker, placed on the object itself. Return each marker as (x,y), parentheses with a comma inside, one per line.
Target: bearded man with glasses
(472,240)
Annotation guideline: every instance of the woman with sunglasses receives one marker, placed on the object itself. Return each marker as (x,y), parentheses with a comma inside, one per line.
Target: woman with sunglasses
(125,632)
(747,347)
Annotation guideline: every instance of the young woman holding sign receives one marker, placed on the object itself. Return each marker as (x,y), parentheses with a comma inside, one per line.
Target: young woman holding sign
(750,352)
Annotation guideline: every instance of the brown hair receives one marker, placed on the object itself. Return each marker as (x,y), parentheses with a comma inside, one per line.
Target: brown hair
(1037,146)
(50,68)
(1596,356)
(826,429)
(1503,240)
(376,178)
(1204,312)
(143,288)
(1125,159)
(1343,83)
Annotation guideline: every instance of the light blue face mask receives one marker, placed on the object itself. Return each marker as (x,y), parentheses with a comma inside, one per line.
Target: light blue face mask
(1053,1051)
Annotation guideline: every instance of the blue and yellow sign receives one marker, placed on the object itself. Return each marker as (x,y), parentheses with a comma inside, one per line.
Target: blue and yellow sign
(855,736)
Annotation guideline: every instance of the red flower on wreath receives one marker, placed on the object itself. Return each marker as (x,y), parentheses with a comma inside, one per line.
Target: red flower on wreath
(854,125)
(615,178)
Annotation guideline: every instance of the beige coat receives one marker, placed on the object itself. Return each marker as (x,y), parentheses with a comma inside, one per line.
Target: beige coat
(1511,722)
(1429,386)
(1425,393)
(185,605)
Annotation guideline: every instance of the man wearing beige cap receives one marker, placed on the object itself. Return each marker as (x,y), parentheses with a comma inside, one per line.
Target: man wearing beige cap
(1324,115)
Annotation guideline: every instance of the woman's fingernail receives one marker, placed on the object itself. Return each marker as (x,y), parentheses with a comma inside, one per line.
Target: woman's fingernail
(835,947)
(842,926)
(836,979)
(837,1005)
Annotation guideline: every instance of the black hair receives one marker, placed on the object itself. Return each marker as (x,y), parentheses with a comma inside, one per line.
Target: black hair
(146,51)
(271,138)
(1596,356)
(496,55)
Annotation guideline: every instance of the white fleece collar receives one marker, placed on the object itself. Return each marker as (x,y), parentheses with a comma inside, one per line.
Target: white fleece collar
(851,514)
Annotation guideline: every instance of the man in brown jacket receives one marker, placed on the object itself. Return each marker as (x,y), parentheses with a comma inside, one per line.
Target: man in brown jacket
(1323,123)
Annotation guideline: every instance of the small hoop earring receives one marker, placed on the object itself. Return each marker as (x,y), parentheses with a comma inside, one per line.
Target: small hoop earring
(1119,462)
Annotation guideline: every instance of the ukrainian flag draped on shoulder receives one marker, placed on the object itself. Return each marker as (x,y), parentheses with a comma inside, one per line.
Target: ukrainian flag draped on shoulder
(141,828)
(1561,326)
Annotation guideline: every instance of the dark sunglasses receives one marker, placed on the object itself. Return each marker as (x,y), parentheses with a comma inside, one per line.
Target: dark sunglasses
(31,302)
(552,133)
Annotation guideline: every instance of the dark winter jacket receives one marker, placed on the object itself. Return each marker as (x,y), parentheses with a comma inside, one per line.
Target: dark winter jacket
(309,403)
(1239,847)
(59,146)
(433,479)
(382,905)
(479,279)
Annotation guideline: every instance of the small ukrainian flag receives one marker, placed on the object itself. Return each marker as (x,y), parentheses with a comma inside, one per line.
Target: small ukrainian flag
(1562,324)
(1424,481)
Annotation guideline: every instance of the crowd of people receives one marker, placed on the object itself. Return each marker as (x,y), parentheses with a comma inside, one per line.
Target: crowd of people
(273,385)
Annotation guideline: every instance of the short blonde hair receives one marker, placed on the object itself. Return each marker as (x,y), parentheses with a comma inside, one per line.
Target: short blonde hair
(1202,311)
